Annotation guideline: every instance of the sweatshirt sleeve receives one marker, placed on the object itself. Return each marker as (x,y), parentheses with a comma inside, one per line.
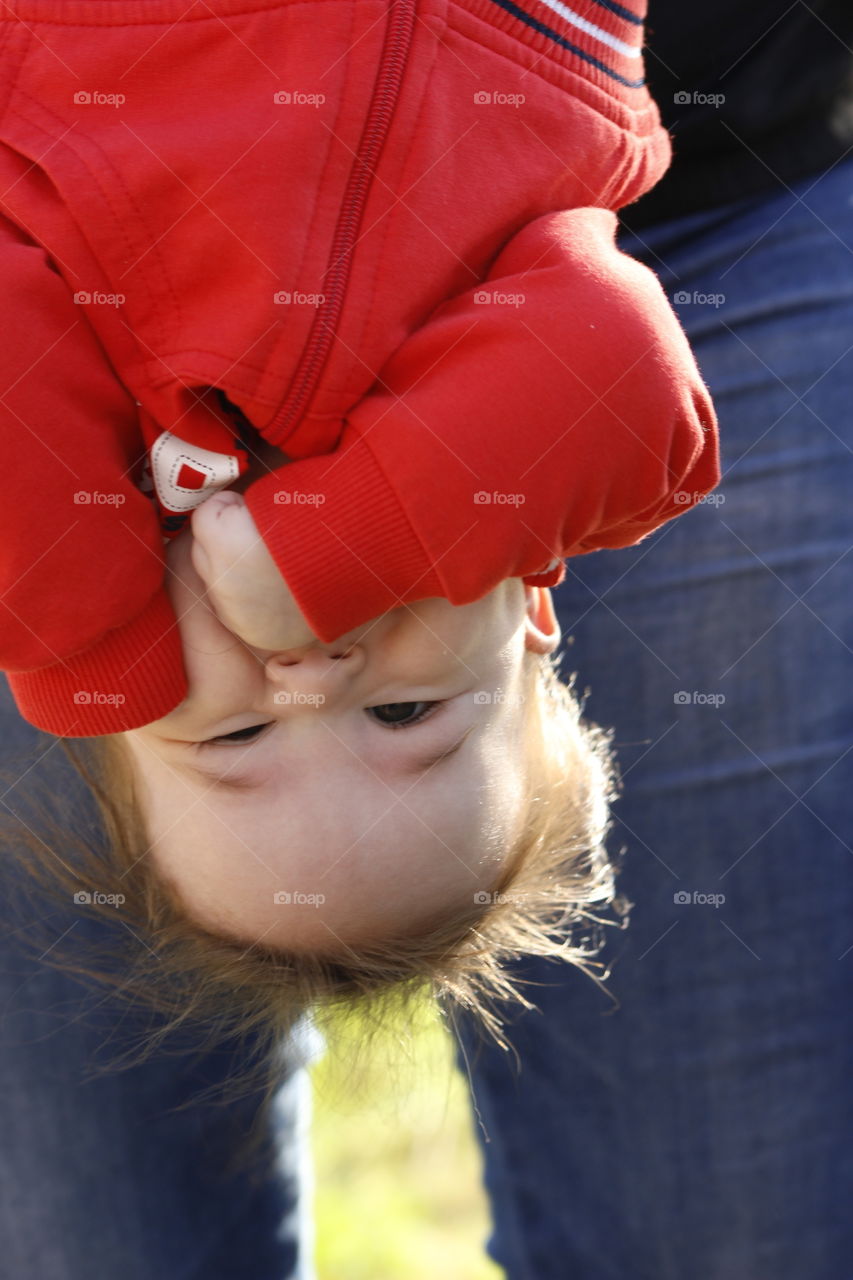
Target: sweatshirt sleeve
(88,638)
(554,410)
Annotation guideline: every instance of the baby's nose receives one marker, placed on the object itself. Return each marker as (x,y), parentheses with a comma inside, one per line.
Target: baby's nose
(319,670)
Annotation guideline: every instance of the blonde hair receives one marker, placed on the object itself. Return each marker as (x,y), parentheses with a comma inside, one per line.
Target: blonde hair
(547,901)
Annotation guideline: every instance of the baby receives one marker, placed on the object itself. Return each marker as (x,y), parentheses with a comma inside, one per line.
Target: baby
(326,718)
(364,787)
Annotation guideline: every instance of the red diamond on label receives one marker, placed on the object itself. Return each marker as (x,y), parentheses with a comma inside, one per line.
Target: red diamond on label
(190,478)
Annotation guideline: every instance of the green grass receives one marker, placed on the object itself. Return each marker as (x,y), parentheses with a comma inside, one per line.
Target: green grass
(398,1171)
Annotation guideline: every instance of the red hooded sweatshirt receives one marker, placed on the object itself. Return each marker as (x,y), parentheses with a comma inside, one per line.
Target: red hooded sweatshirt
(381,235)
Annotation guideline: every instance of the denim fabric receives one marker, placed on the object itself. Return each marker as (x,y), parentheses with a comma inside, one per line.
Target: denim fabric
(702,1129)
(99,1178)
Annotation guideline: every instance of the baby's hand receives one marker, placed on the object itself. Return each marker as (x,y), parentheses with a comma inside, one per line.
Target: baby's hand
(244,586)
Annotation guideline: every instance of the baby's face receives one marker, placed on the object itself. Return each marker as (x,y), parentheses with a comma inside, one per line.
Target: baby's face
(339,792)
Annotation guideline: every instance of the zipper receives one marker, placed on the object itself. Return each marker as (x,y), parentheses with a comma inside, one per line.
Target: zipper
(398,39)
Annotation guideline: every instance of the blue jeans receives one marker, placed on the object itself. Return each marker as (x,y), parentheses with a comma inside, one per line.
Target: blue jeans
(100,1178)
(702,1128)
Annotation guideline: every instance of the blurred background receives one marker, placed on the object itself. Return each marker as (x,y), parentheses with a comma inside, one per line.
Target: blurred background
(397,1168)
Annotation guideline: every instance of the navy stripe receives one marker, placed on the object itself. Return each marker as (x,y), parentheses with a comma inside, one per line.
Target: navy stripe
(620,12)
(566,44)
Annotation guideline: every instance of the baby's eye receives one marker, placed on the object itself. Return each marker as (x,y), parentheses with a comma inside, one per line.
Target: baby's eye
(400,713)
(399,717)
(239,735)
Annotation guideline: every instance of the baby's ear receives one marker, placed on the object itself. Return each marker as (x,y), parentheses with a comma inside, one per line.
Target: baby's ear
(542,630)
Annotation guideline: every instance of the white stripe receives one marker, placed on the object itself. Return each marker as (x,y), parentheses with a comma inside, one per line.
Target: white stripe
(629,50)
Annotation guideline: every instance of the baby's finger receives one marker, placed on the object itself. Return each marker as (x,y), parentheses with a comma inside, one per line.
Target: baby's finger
(224,532)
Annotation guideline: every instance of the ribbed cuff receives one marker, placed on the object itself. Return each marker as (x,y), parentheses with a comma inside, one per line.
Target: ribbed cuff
(335,529)
(133,676)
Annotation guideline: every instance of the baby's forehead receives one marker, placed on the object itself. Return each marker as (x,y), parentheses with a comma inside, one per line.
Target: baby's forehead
(380,858)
